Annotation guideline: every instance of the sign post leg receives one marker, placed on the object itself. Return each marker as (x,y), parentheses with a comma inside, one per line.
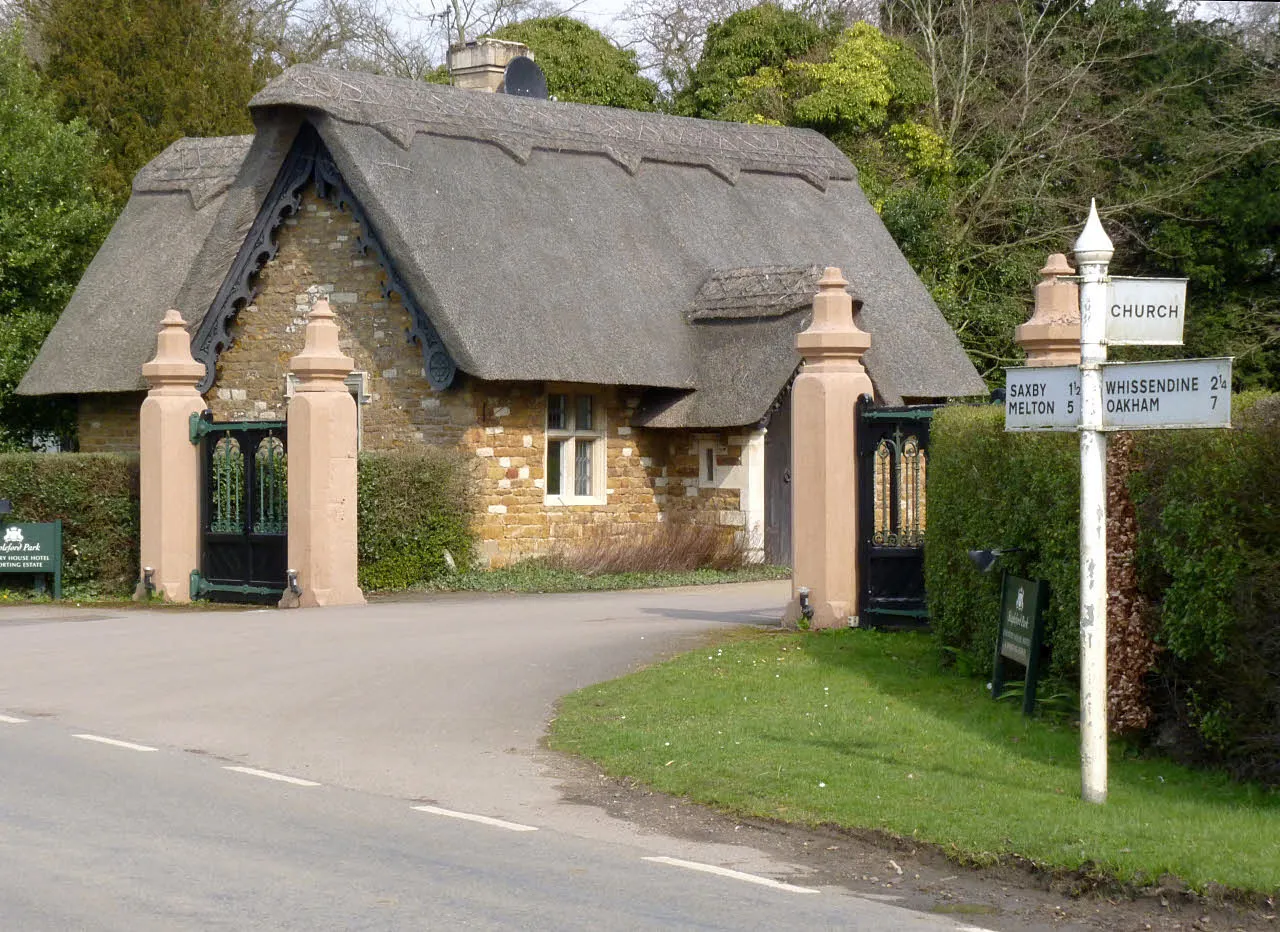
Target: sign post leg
(1093,252)
(57,562)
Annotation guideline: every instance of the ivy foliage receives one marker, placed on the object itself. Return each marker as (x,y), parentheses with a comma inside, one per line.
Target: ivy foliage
(144,73)
(52,220)
(414,506)
(582,65)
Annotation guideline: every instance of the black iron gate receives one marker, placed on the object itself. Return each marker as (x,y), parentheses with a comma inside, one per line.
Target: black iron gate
(893,466)
(243,510)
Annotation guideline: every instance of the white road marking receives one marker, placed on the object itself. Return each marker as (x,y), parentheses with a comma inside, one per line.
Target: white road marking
(736,875)
(296,781)
(127,745)
(10,720)
(482,819)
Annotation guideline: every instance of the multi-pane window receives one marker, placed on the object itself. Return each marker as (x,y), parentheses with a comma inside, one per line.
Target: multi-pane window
(575,448)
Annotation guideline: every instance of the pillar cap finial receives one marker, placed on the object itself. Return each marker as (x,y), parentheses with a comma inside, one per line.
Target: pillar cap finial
(321,366)
(833,334)
(1056,265)
(1093,246)
(173,366)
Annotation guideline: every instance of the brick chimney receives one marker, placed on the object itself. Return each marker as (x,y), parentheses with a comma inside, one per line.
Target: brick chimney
(479,65)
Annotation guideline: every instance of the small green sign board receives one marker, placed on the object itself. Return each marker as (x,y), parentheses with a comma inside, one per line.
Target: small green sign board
(1022,604)
(33,549)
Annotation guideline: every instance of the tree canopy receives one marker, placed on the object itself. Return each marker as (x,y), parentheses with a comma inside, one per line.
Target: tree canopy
(981,130)
(764,36)
(51,222)
(144,73)
(582,64)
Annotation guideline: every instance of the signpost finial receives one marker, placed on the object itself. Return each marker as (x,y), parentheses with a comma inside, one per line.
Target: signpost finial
(1093,244)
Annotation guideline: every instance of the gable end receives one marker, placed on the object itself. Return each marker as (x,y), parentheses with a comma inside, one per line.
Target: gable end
(308,162)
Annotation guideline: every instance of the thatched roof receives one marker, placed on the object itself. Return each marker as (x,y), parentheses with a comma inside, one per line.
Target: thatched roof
(543,240)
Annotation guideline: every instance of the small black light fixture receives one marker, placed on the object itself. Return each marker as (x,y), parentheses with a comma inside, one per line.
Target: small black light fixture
(291,577)
(985,560)
(149,579)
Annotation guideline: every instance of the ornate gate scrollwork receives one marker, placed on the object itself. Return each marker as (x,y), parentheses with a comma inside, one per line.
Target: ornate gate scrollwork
(244,510)
(899,474)
(893,468)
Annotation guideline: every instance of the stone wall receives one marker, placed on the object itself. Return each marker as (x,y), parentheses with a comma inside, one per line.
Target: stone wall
(651,475)
(319,255)
(108,423)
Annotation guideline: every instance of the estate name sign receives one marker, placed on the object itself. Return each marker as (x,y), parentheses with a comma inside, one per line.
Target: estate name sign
(33,548)
(1022,604)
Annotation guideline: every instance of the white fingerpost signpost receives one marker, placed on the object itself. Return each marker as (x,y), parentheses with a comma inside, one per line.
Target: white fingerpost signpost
(1094,398)
(1093,252)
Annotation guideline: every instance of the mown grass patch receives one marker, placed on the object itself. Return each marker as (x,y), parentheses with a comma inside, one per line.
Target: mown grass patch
(864,730)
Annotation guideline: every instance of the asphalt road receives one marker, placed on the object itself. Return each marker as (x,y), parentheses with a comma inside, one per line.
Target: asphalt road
(377,711)
(104,837)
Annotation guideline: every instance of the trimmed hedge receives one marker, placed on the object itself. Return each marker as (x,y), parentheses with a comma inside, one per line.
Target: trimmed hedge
(988,488)
(414,506)
(1209,555)
(96,496)
(1208,512)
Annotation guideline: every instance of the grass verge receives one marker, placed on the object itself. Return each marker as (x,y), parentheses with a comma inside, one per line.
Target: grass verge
(546,576)
(863,730)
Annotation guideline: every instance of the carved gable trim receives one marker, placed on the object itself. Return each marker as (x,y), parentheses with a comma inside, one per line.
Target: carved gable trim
(308,162)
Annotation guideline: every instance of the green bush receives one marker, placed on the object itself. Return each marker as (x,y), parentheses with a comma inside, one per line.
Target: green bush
(96,496)
(1209,557)
(988,488)
(414,507)
(1208,553)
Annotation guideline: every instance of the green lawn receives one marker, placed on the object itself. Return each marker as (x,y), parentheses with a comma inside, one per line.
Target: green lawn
(864,730)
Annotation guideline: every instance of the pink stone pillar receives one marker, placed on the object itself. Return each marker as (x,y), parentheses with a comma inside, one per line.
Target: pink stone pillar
(169,465)
(824,475)
(322,470)
(1052,336)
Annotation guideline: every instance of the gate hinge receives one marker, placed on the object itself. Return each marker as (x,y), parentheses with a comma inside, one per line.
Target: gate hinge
(201,424)
(199,585)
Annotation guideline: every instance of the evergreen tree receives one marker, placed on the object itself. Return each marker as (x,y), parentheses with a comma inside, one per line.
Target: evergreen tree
(144,73)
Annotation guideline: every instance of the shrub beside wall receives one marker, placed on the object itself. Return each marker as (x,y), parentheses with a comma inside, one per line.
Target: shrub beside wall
(96,496)
(414,506)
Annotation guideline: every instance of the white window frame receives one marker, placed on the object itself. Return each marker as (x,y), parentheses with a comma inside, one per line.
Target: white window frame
(569,435)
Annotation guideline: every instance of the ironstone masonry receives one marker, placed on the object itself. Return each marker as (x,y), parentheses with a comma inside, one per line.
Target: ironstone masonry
(651,475)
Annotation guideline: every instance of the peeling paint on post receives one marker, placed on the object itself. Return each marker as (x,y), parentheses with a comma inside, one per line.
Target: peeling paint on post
(1093,251)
